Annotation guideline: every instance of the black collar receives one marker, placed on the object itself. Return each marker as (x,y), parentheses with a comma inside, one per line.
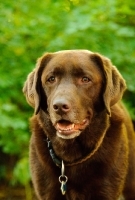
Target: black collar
(55,158)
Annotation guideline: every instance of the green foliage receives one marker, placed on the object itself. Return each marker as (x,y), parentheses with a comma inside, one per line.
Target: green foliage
(21,172)
(30,28)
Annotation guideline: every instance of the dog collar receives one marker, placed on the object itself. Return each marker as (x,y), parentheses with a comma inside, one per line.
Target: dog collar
(55,158)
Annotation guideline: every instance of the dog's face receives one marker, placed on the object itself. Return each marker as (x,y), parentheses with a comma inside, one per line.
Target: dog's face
(73,86)
(72,82)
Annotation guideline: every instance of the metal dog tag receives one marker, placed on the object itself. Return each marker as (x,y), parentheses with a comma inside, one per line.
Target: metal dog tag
(63,180)
(63,187)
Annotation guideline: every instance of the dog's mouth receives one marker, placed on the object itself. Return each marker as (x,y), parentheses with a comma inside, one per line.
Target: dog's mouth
(65,127)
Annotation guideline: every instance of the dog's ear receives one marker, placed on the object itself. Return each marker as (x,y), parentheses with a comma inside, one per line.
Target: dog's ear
(114,84)
(33,86)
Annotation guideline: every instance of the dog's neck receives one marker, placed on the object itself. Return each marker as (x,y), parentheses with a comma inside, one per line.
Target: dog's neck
(58,161)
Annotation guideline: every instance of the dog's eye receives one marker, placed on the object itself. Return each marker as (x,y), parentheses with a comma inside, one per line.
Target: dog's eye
(51,79)
(85,79)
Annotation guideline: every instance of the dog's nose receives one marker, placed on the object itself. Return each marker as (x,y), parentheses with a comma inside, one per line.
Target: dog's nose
(61,105)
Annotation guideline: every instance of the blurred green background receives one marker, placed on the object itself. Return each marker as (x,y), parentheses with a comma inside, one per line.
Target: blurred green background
(30,28)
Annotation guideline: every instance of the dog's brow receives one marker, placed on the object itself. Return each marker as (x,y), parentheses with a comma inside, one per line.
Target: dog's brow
(81,71)
(78,71)
(58,70)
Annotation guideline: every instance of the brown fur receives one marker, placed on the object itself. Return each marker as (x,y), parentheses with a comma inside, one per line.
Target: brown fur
(58,89)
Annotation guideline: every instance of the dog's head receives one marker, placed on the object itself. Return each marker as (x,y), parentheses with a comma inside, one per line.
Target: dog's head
(72,86)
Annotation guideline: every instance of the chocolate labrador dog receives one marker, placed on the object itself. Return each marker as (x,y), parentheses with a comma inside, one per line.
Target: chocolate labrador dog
(83,143)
